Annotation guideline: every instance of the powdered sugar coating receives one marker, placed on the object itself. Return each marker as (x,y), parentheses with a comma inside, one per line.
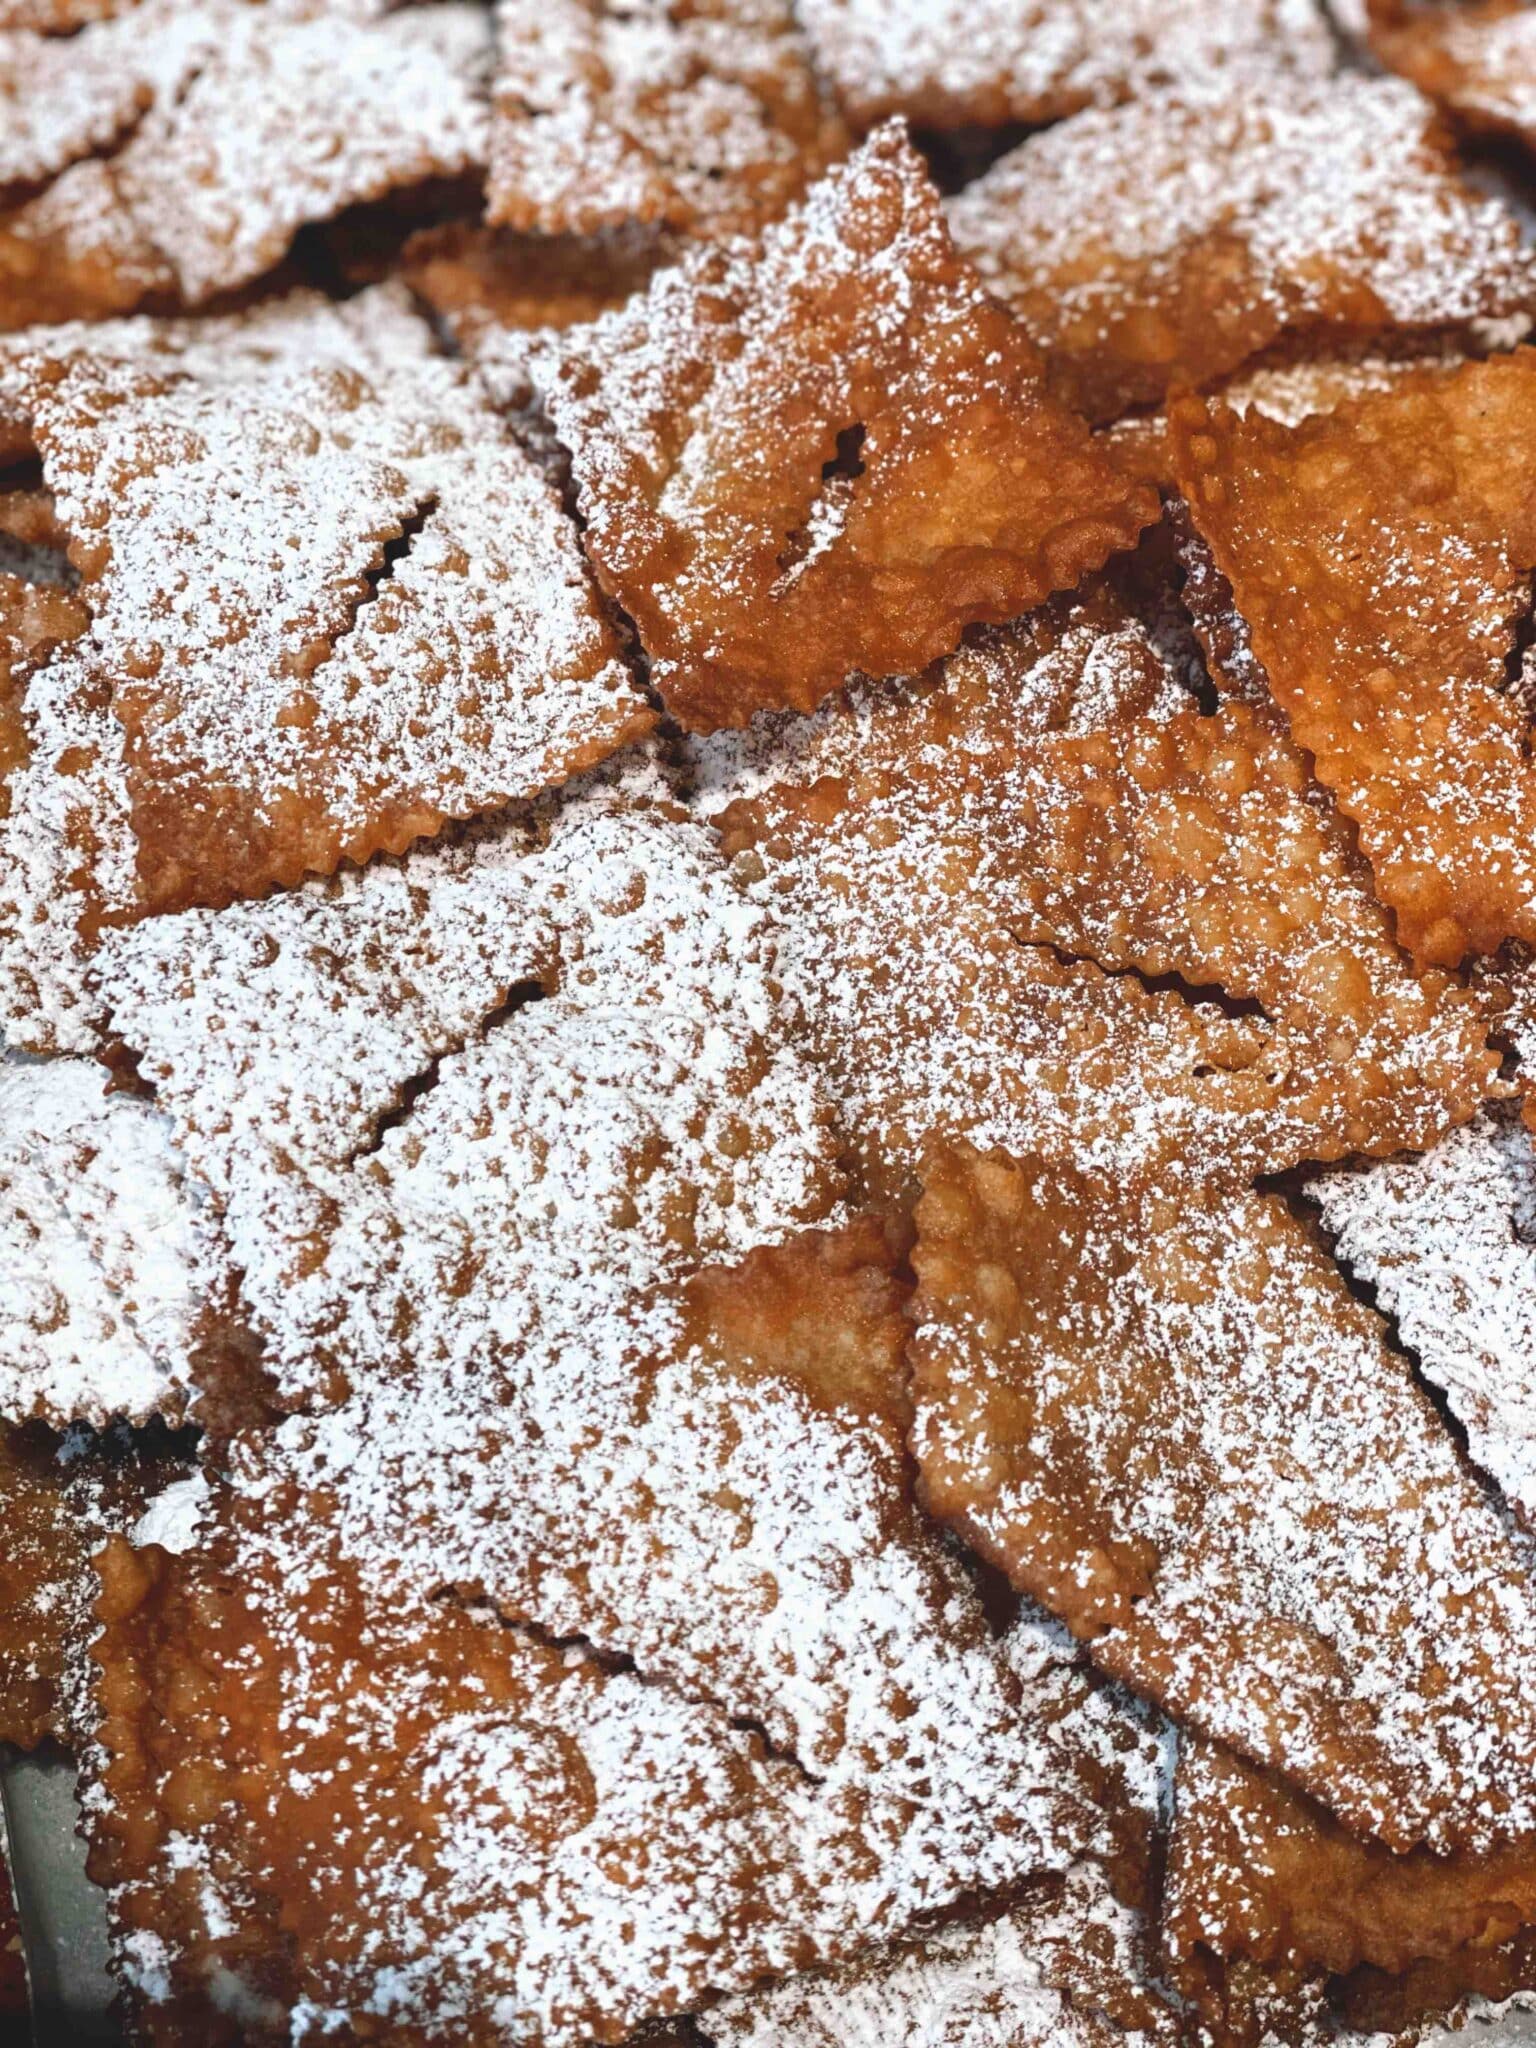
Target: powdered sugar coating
(1048,1973)
(1448,1241)
(66,861)
(1303,205)
(1173,1425)
(290,121)
(668,1117)
(708,118)
(1480,61)
(974,909)
(108,1272)
(242,123)
(945,64)
(316,715)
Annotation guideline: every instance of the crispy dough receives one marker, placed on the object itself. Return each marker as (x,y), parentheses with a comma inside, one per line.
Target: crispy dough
(1169,1421)
(830,453)
(1260,1872)
(974,904)
(1380,556)
(958,64)
(187,145)
(481,282)
(703,114)
(1323,207)
(258,656)
(1476,59)
(651,1849)
(59,1501)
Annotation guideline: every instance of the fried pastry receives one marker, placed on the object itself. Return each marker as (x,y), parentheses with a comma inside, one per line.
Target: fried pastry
(397,630)
(1145,943)
(1259,1874)
(489,286)
(114,1291)
(904,1766)
(1313,207)
(1169,1422)
(952,66)
(650,1113)
(1446,1241)
(1478,60)
(1381,556)
(230,127)
(61,1498)
(707,117)
(831,453)
(1066,1967)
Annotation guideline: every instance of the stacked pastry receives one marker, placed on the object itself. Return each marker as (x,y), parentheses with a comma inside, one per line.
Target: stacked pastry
(767,913)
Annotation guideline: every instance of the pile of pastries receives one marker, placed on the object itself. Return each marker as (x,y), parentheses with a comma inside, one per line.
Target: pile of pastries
(768,966)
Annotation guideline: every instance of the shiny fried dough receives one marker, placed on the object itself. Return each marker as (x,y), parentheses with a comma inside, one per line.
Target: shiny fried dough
(706,117)
(1170,1423)
(60,1499)
(1310,206)
(1257,1871)
(1381,557)
(830,454)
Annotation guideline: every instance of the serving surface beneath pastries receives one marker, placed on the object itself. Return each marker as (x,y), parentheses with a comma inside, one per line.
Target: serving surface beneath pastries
(767,1212)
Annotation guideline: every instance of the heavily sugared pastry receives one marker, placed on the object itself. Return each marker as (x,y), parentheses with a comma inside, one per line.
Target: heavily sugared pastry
(769,992)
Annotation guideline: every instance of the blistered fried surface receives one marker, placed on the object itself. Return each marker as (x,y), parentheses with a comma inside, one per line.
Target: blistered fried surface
(1381,556)
(327,1056)
(981,914)
(1446,1241)
(831,453)
(1478,60)
(237,124)
(1171,1423)
(325,1806)
(708,118)
(954,66)
(1257,1871)
(112,1287)
(396,630)
(60,1500)
(920,1756)
(1308,206)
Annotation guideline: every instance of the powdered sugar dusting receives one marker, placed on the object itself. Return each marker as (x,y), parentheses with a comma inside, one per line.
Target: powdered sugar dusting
(1046,1974)
(710,119)
(1448,1242)
(1304,205)
(316,717)
(952,64)
(238,124)
(107,1270)
(970,905)
(1173,1425)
